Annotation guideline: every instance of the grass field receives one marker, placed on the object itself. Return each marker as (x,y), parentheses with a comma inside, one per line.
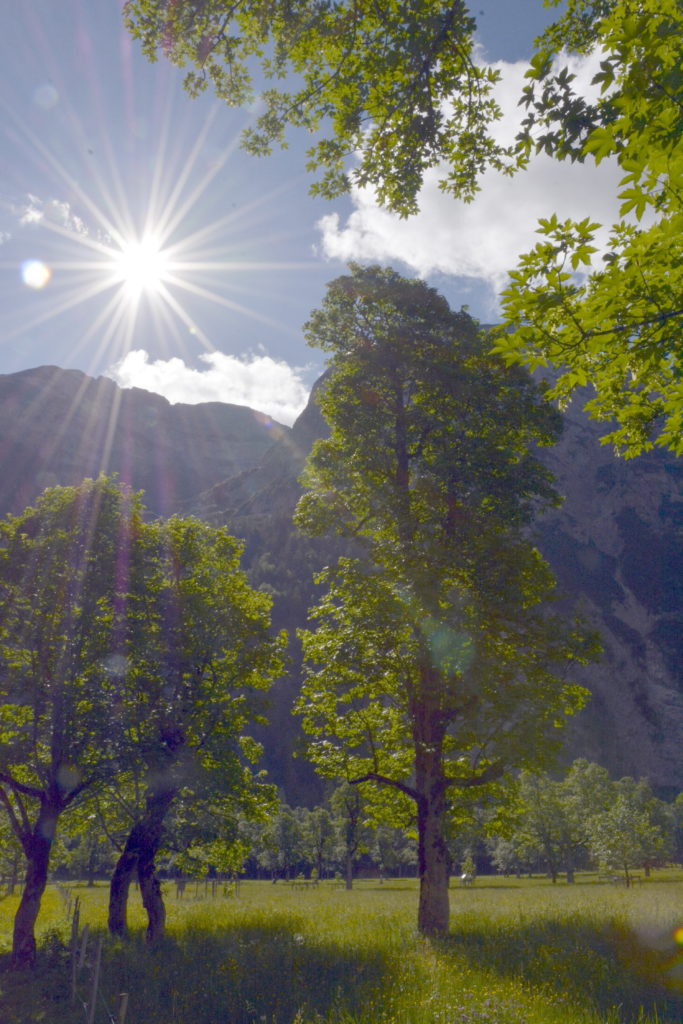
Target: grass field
(520,952)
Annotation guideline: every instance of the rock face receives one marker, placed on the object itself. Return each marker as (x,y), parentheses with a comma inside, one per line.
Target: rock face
(616,544)
(59,426)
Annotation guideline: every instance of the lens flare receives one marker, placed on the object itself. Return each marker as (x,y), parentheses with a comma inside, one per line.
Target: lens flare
(35,274)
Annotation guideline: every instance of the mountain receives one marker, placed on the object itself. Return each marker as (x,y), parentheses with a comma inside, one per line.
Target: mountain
(615,545)
(59,426)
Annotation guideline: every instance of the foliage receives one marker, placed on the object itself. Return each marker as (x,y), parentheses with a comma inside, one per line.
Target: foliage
(62,564)
(129,654)
(432,662)
(677,824)
(191,687)
(616,327)
(627,834)
(395,84)
(585,815)
(58,562)
(353,830)
(280,848)
(555,815)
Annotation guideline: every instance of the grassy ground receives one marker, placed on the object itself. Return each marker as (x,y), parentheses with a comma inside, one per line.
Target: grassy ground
(520,952)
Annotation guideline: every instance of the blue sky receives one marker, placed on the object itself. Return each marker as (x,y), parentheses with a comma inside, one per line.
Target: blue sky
(97,146)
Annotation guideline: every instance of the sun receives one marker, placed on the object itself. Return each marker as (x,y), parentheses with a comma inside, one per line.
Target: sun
(144,251)
(141,265)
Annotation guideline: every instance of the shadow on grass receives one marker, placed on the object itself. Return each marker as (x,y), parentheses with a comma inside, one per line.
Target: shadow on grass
(39,996)
(605,967)
(242,975)
(245,974)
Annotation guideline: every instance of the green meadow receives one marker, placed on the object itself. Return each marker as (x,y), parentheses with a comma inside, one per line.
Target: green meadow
(520,952)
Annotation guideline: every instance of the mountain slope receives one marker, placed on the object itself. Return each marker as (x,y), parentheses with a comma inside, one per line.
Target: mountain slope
(58,426)
(616,544)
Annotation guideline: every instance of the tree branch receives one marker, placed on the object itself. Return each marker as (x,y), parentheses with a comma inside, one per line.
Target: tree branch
(21,787)
(14,821)
(383,780)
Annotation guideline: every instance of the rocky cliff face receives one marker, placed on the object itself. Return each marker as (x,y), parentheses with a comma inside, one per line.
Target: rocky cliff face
(59,426)
(616,544)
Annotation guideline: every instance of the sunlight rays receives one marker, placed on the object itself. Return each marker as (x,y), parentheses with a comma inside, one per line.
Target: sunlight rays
(145,253)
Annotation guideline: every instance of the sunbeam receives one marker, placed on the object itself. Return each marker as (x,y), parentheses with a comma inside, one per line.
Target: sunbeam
(146,250)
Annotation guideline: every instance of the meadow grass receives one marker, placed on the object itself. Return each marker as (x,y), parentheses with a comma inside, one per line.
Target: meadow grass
(519,952)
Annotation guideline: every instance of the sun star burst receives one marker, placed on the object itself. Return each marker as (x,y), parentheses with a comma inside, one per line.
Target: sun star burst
(141,265)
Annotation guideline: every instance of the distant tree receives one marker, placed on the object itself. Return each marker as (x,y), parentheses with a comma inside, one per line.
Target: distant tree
(507,855)
(554,814)
(11,857)
(393,850)
(84,851)
(61,564)
(433,662)
(354,832)
(195,654)
(319,838)
(542,822)
(280,848)
(585,791)
(624,837)
(210,838)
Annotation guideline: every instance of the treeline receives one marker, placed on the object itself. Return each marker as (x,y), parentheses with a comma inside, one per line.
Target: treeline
(556,826)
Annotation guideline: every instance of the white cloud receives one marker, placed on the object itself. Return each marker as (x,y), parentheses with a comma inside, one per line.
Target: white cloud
(260,382)
(482,239)
(34,210)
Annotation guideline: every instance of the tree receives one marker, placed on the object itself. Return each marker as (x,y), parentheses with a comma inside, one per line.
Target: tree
(432,664)
(676,819)
(319,837)
(616,327)
(393,850)
(542,823)
(281,846)
(624,836)
(195,653)
(354,833)
(395,84)
(61,562)
(555,815)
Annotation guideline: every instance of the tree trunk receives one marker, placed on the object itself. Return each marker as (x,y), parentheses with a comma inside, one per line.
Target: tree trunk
(433,863)
(139,853)
(349,871)
(570,867)
(152,899)
(37,848)
(430,785)
(120,885)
